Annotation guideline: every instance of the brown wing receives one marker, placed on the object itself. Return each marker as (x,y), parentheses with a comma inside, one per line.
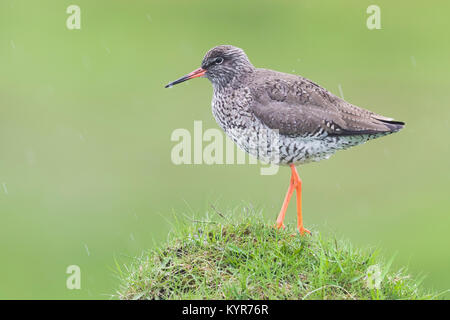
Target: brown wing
(297,106)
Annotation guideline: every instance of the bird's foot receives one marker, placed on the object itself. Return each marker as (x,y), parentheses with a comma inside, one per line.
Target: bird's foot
(279,225)
(303,231)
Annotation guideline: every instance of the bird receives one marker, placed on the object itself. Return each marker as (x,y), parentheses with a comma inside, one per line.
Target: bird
(309,123)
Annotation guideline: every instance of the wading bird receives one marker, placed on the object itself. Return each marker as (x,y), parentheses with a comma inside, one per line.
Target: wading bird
(311,123)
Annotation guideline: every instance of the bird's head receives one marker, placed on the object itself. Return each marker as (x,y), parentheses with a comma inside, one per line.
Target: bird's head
(220,65)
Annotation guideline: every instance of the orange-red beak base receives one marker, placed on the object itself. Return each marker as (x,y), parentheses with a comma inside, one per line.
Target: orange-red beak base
(194,74)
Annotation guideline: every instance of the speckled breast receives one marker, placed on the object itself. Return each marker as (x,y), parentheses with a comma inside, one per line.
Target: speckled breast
(231,110)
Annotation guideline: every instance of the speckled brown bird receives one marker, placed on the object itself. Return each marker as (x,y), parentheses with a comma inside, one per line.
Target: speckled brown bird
(283,118)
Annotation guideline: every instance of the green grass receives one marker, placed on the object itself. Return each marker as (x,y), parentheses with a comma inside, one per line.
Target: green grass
(249,259)
(86,123)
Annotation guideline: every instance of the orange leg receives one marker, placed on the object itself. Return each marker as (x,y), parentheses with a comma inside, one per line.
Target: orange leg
(295,183)
(282,214)
(298,187)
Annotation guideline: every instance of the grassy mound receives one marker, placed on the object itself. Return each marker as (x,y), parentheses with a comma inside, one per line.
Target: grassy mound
(249,259)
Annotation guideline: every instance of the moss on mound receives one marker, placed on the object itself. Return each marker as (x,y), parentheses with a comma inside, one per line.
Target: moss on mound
(249,259)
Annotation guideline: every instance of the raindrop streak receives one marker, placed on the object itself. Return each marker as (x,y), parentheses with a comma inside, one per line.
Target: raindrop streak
(4,188)
(13,45)
(413,61)
(340,91)
(31,158)
(87,249)
(149,18)
(131,237)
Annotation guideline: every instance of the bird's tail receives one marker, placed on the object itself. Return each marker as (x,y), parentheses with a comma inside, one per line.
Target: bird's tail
(393,125)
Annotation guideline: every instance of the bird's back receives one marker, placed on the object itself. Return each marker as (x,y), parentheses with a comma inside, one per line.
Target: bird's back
(311,123)
(297,106)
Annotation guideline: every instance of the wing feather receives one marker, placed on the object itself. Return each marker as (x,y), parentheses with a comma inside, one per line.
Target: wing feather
(298,107)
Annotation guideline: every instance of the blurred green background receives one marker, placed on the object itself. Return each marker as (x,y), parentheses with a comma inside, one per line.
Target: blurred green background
(85,126)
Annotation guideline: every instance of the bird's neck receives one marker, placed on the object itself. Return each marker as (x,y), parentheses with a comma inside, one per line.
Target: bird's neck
(236,80)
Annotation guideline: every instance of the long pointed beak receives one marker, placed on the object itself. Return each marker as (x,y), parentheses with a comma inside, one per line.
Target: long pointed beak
(194,74)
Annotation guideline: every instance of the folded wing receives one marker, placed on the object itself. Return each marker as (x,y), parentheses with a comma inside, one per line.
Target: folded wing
(298,107)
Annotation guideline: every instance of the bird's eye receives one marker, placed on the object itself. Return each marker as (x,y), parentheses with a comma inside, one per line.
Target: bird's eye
(218,60)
